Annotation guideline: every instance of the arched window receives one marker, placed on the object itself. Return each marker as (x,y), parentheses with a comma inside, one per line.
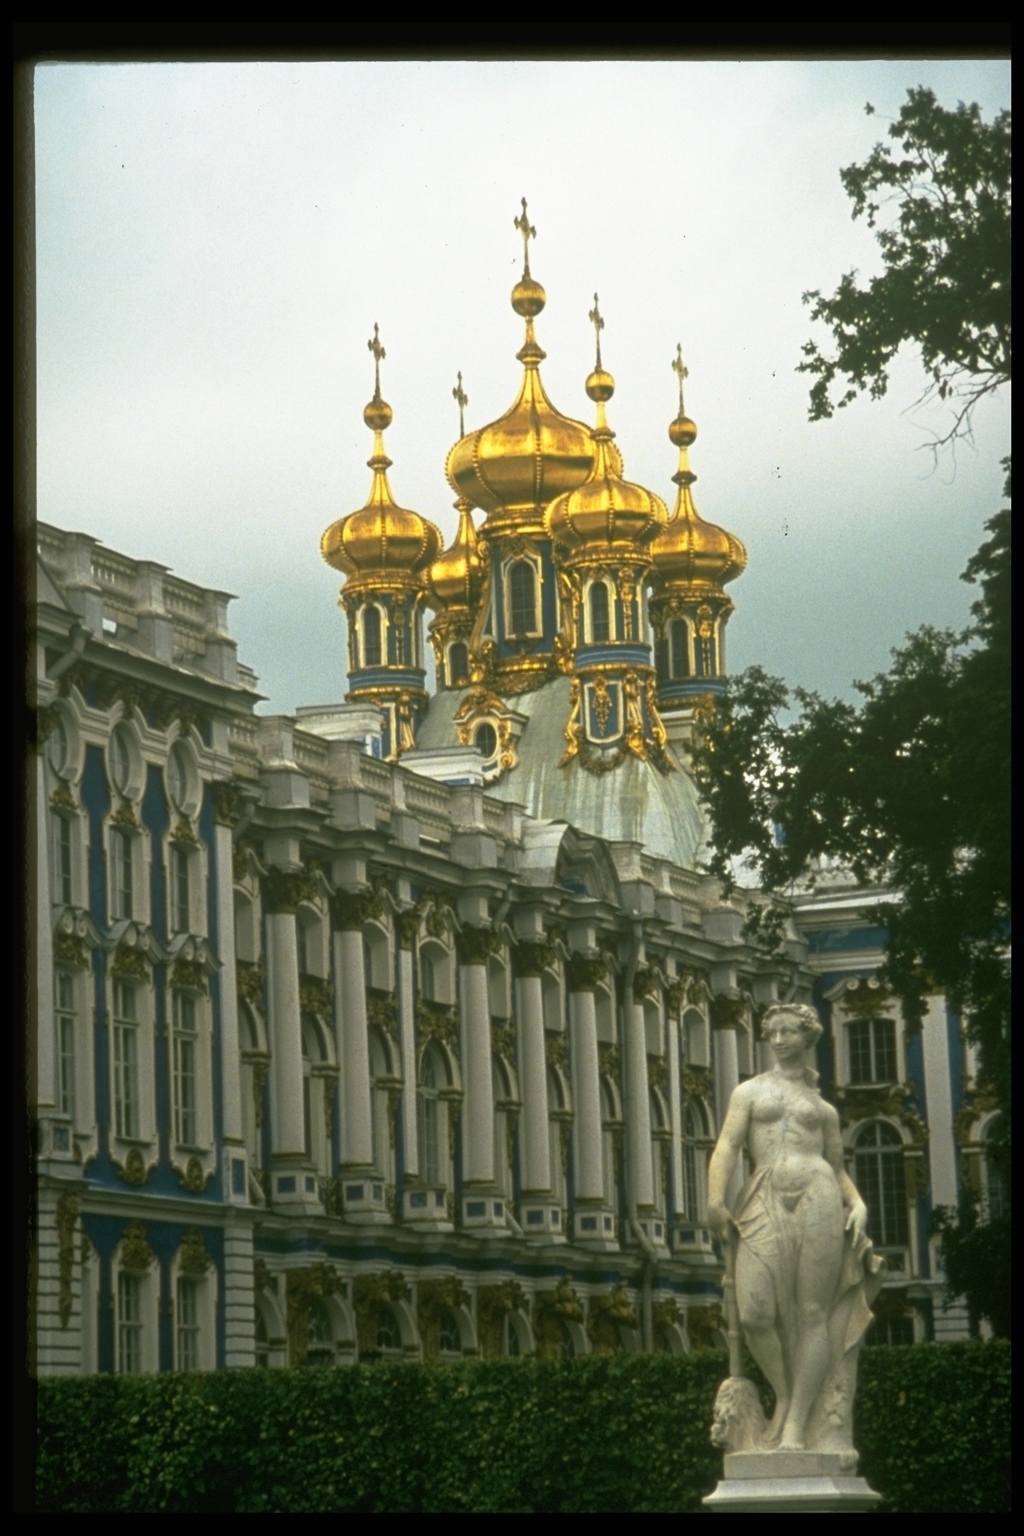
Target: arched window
(389,1335)
(600,627)
(691,1191)
(372,653)
(184,1060)
(872,1050)
(679,639)
(429,1117)
(428,982)
(458,665)
(451,1337)
(522,588)
(129,1323)
(319,1336)
(878,1174)
(556,1142)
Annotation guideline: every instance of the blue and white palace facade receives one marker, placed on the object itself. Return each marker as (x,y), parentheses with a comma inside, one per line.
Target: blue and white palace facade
(403,1026)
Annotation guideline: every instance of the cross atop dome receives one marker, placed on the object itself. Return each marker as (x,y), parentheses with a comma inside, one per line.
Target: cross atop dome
(526,229)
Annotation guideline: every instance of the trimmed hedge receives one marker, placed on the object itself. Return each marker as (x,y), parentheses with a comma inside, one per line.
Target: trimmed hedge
(628,1434)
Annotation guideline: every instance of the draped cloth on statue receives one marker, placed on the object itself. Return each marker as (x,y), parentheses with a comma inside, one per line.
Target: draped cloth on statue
(770,1227)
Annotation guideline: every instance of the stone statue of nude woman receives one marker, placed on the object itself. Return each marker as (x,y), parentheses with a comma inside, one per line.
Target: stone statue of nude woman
(803,1266)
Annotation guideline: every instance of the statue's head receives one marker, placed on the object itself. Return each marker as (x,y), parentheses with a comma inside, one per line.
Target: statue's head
(791,1025)
(739,1422)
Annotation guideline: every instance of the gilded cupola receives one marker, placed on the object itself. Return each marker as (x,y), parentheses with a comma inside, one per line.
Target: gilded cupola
(513,467)
(385,553)
(607,518)
(693,560)
(690,550)
(382,542)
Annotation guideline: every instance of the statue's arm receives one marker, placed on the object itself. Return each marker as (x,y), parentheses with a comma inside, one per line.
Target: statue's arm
(857,1213)
(724,1158)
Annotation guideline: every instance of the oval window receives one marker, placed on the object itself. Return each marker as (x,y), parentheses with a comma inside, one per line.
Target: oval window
(120,759)
(178,776)
(57,747)
(486,740)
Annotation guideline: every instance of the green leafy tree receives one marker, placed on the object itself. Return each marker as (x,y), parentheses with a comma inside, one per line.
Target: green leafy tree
(908,789)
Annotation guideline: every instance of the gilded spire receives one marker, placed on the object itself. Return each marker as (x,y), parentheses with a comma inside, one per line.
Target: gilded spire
(600,386)
(528,297)
(607,515)
(459,395)
(526,229)
(682,372)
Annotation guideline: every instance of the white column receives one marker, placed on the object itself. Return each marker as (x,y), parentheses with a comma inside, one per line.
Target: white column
(230,1065)
(406,1029)
(478,1104)
(675,1112)
(586,1087)
(533,1081)
(43,1089)
(287,1128)
(353,1049)
(638,1106)
(239,1295)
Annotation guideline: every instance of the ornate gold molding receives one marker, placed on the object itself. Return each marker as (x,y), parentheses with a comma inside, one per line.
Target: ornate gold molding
(136,1254)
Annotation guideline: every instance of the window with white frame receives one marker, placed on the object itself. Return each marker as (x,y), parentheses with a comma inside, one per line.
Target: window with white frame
(122,884)
(879,1176)
(599,613)
(181,887)
(66,1021)
(430,1117)
(184,1068)
(186,1321)
(522,598)
(126,1059)
(693,1157)
(872,1047)
(130,1323)
(64,861)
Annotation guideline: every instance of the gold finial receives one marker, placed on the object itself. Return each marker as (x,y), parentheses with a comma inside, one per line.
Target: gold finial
(598,323)
(459,394)
(528,233)
(375,347)
(377,414)
(679,368)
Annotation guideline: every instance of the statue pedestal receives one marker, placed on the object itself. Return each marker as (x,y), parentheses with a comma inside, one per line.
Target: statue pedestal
(757,1482)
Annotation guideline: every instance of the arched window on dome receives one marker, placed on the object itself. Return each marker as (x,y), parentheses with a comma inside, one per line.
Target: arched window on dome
(372,633)
(522,588)
(679,640)
(458,665)
(878,1175)
(600,623)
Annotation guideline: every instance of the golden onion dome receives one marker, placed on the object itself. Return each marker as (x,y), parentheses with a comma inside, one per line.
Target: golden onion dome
(691,550)
(606,514)
(381,539)
(457,576)
(533,453)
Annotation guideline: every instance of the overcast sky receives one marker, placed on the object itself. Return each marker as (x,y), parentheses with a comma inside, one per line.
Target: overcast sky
(216,241)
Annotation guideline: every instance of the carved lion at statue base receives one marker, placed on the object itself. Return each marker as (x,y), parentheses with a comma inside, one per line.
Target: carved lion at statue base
(739,1423)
